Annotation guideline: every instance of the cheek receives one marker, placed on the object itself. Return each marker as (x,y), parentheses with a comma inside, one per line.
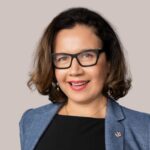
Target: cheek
(60,75)
(57,75)
(100,72)
(99,76)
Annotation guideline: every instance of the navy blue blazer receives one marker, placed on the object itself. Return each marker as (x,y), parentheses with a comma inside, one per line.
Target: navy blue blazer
(125,129)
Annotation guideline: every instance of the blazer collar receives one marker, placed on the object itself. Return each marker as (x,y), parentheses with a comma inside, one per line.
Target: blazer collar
(114,131)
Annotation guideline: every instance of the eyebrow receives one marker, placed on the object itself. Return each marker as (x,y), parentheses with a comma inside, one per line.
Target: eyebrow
(81,50)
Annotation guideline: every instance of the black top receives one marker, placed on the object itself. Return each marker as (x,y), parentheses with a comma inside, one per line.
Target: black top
(73,133)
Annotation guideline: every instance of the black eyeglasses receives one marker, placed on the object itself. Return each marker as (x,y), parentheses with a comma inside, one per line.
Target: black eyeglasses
(85,58)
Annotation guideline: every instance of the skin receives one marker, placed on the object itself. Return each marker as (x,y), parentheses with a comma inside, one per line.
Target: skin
(90,100)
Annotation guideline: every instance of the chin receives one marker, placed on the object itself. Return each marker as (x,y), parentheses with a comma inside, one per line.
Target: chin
(80,99)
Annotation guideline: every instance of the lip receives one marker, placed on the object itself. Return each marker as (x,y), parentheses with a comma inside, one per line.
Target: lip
(78,87)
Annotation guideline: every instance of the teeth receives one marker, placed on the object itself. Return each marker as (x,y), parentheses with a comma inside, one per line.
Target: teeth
(78,84)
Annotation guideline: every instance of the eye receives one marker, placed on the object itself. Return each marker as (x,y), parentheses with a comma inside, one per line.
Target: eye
(89,54)
(61,58)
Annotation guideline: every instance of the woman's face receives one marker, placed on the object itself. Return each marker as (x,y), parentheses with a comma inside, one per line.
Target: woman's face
(81,84)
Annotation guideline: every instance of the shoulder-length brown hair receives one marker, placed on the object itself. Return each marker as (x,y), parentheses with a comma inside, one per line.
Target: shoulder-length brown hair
(42,76)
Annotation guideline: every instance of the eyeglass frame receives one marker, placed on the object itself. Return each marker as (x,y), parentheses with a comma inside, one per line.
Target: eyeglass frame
(98,51)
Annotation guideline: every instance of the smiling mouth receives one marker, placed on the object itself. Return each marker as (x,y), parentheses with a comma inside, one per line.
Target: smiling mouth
(78,85)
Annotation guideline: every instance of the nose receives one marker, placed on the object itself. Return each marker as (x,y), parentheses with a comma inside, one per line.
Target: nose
(75,69)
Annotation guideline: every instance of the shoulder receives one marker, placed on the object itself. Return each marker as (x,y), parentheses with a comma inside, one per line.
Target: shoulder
(135,115)
(35,120)
(128,116)
(136,122)
(124,112)
(30,114)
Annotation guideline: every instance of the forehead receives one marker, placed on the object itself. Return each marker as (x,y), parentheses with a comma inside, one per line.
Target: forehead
(76,39)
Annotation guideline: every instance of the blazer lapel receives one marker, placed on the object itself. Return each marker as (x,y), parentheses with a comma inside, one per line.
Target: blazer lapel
(114,131)
(35,131)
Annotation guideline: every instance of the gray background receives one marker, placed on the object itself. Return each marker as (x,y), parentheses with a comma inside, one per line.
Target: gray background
(21,25)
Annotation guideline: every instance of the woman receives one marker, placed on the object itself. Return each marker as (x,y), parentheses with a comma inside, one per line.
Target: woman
(80,65)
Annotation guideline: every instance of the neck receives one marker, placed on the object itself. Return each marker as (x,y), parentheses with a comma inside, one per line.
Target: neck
(95,108)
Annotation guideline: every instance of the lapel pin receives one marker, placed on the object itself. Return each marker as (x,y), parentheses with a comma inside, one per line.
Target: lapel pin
(118,134)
